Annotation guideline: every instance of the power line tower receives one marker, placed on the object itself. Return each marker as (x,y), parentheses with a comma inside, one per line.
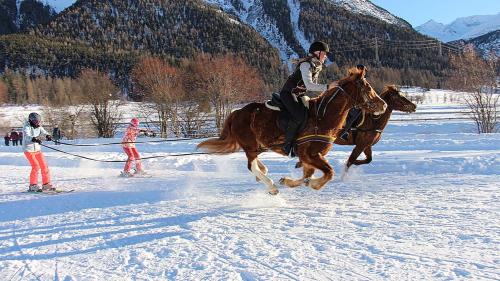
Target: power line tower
(377,60)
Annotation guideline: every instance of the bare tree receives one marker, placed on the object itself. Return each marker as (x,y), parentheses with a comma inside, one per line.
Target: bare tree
(193,119)
(196,110)
(160,85)
(477,76)
(226,81)
(484,111)
(4,91)
(102,96)
(68,118)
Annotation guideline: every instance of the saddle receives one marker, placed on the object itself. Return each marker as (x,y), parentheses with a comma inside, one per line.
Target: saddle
(284,116)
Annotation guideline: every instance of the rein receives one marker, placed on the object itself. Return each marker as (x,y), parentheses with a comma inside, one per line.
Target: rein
(374,129)
(328,102)
(357,105)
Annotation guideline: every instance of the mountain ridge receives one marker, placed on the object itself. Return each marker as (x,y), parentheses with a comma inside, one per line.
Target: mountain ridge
(461,28)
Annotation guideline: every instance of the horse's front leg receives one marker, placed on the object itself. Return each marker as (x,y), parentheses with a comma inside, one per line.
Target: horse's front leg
(308,171)
(319,162)
(368,154)
(354,155)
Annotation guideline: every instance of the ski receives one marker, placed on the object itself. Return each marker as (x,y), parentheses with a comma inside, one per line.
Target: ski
(134,175)
(138,176)
(53,192)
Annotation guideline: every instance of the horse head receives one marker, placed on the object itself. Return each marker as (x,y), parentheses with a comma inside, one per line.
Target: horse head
(361,92)
(396,101)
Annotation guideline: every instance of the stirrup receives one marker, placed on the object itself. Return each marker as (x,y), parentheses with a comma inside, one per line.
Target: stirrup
(289,151)
(344,136)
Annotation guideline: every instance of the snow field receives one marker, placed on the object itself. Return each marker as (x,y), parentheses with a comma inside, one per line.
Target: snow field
(426,208)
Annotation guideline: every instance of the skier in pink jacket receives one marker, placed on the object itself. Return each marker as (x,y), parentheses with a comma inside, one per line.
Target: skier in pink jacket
(128,144)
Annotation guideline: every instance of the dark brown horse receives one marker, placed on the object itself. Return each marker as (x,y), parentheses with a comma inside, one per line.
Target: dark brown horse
(254,129)
(369,132)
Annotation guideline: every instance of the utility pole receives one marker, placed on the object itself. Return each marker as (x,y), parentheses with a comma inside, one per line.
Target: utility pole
(377,61)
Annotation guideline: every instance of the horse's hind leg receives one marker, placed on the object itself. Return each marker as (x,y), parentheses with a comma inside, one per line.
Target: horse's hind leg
(253,166)
(262,167)
(319,162)
(308,171)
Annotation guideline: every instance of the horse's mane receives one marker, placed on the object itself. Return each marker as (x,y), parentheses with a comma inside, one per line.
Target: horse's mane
(352,74)
(389,88)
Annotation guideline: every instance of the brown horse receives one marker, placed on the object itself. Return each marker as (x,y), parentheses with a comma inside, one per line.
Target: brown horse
(370,129)
(254,129)
(369,132)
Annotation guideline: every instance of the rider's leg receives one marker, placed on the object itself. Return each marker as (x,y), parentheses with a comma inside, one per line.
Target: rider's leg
(351,118)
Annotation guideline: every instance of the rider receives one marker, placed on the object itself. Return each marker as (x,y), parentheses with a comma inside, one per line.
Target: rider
(32,133)
(352,116)
(304,78)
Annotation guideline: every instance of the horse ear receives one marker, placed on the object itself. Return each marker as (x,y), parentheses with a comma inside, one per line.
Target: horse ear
(354,71)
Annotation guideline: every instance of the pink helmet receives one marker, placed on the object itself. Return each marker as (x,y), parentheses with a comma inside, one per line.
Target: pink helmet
(134,122)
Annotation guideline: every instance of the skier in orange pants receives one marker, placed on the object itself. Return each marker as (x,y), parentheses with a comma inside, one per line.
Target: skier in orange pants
(32,133)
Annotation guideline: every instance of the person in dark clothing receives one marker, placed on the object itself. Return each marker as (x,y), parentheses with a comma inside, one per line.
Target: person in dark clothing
(6,138)
(14,137)
(56,134)
(304,78)
(353,115)
(20,134)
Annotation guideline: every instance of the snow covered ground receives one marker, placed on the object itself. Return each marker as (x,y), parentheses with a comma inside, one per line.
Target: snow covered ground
(426,208)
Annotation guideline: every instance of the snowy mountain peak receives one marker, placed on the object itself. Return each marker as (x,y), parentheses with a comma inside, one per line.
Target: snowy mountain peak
(432,24)
(461,28)
(366,7)
(279,21)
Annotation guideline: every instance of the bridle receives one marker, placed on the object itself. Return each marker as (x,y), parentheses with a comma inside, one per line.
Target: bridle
(357,102)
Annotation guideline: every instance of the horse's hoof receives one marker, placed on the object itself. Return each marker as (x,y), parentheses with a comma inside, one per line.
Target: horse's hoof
(273,192)
(307,181)
(257,179)
(282,181)
(298,165)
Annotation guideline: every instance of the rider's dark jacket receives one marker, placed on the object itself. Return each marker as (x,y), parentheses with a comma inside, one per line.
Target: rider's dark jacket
(304,78)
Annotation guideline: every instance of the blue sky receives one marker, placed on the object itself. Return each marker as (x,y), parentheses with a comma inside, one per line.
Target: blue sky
(59,4)
(417,12)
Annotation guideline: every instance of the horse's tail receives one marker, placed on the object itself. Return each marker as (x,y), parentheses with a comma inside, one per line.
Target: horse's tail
(224,144)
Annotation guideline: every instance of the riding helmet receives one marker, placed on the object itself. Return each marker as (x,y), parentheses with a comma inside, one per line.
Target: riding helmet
(319,46)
